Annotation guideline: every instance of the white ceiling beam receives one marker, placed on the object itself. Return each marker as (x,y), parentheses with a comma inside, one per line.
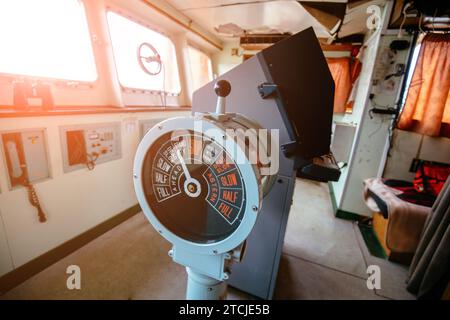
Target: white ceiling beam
(174,14)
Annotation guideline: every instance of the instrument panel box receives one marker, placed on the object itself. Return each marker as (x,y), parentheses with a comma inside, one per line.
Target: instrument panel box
(90,144)
(26,156)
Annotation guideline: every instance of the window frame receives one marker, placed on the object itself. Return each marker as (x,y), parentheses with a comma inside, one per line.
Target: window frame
(196,47)
(68,83)
(206,53)
(411,62)
(133,18)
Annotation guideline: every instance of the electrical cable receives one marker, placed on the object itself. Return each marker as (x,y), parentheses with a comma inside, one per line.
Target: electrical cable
(399,103)
(344,164)
(420,23)
(400,32)
(163,94)
(378,129)
(434,18)
(34,201)
(92,158)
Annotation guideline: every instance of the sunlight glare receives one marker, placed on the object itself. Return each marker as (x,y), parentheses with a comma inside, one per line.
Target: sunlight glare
(46,38)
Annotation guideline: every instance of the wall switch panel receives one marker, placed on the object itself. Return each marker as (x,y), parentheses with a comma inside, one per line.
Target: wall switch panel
(88,145)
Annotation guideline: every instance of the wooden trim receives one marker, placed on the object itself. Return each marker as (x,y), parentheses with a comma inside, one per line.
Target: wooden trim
(371,240)
(10,112)
(380,225)
(29,269)
(337,47)
(181,23)
(255,46)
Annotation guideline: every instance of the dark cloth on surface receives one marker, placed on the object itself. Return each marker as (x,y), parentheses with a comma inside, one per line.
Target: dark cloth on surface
(430,268)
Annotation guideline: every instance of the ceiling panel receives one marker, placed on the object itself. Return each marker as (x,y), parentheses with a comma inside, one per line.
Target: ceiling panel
(202,4)
(284,16)
(196,4)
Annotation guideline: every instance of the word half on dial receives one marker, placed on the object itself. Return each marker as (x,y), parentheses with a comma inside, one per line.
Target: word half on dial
(196,187)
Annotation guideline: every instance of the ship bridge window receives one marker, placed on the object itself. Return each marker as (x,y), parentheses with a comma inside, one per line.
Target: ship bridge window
(201,68)
(136,52)
(46,39)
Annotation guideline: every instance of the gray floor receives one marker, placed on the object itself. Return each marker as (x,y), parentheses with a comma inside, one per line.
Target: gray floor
(323,258)
(326,258)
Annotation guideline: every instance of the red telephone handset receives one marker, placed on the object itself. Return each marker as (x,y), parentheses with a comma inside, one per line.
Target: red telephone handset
(17,169)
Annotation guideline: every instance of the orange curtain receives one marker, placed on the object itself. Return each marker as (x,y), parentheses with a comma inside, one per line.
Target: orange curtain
(340,70)
(355,71)
(427,107)
(344,74)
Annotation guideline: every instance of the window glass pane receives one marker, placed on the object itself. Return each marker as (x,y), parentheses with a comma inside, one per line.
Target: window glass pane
(201,68)
(412,67)
(127,36)
(46,38)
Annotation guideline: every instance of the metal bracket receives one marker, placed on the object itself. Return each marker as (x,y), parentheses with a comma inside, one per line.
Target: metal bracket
(289,149)
(266,90)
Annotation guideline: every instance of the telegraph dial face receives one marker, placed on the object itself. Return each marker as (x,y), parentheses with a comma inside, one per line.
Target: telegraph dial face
(193,187)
